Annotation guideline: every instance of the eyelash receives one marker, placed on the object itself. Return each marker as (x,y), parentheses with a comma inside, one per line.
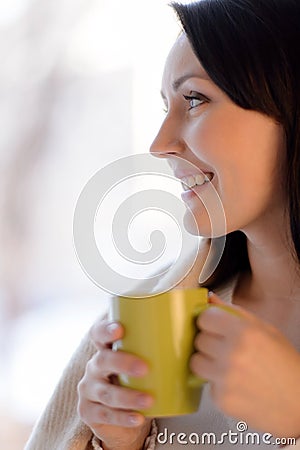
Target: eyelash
(198,97)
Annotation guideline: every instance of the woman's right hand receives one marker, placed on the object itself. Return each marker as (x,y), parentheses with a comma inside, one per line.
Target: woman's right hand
(106,407)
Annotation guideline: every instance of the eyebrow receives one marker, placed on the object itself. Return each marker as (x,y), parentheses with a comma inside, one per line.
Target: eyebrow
(179,81)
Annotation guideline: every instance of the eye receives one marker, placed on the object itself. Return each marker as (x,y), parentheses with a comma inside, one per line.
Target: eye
(195,99)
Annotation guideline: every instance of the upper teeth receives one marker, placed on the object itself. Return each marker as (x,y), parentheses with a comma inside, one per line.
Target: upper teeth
(195,180)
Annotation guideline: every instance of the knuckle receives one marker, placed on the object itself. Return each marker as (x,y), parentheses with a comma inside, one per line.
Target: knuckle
(80,387)
(90,368)
(101,359)
(90,364)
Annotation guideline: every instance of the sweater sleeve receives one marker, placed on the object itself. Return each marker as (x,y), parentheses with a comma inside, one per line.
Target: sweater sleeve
(149,442)
(59,427)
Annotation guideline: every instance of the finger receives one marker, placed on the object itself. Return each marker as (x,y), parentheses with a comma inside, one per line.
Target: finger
(214,299)
(96,414)
(222,320)
(202,366)
(209,344)
(103,333)
(117,397)
(107,362)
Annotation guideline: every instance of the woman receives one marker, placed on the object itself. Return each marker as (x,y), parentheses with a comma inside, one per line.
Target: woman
(231,88)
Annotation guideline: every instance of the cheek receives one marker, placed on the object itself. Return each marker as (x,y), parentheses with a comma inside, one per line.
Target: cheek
(245,150)
(250,182)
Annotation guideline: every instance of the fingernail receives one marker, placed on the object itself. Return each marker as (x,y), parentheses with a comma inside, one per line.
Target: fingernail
(112,327)
(134,419)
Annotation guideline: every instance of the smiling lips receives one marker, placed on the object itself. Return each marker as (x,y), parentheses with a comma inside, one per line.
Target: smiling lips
(198,179)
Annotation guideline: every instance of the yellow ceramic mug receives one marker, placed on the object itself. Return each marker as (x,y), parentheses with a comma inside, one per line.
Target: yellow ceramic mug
(161,330)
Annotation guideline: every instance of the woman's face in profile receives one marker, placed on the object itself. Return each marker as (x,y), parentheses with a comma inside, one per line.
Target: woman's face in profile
(240,150)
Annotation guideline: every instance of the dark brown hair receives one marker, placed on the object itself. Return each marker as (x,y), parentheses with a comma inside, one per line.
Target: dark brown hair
(250,49)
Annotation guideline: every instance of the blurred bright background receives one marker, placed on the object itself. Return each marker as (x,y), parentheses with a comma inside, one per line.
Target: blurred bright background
(79,84)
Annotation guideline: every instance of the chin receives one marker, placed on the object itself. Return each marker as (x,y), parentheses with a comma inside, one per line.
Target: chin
(201,226)
(196,227)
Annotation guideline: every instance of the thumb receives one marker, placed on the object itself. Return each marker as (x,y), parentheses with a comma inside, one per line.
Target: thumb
(215,299)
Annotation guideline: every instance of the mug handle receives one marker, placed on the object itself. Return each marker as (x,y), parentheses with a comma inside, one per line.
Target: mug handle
(193,380)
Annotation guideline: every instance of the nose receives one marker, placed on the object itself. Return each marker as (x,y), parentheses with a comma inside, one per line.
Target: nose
(168,140)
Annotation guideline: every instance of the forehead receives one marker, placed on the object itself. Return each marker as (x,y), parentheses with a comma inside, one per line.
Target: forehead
(180,61)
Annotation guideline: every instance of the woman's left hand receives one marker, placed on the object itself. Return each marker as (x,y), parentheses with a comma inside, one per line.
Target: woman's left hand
(253,370)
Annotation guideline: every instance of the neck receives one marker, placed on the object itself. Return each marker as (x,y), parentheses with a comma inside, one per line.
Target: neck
(271,288)
(275,273)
